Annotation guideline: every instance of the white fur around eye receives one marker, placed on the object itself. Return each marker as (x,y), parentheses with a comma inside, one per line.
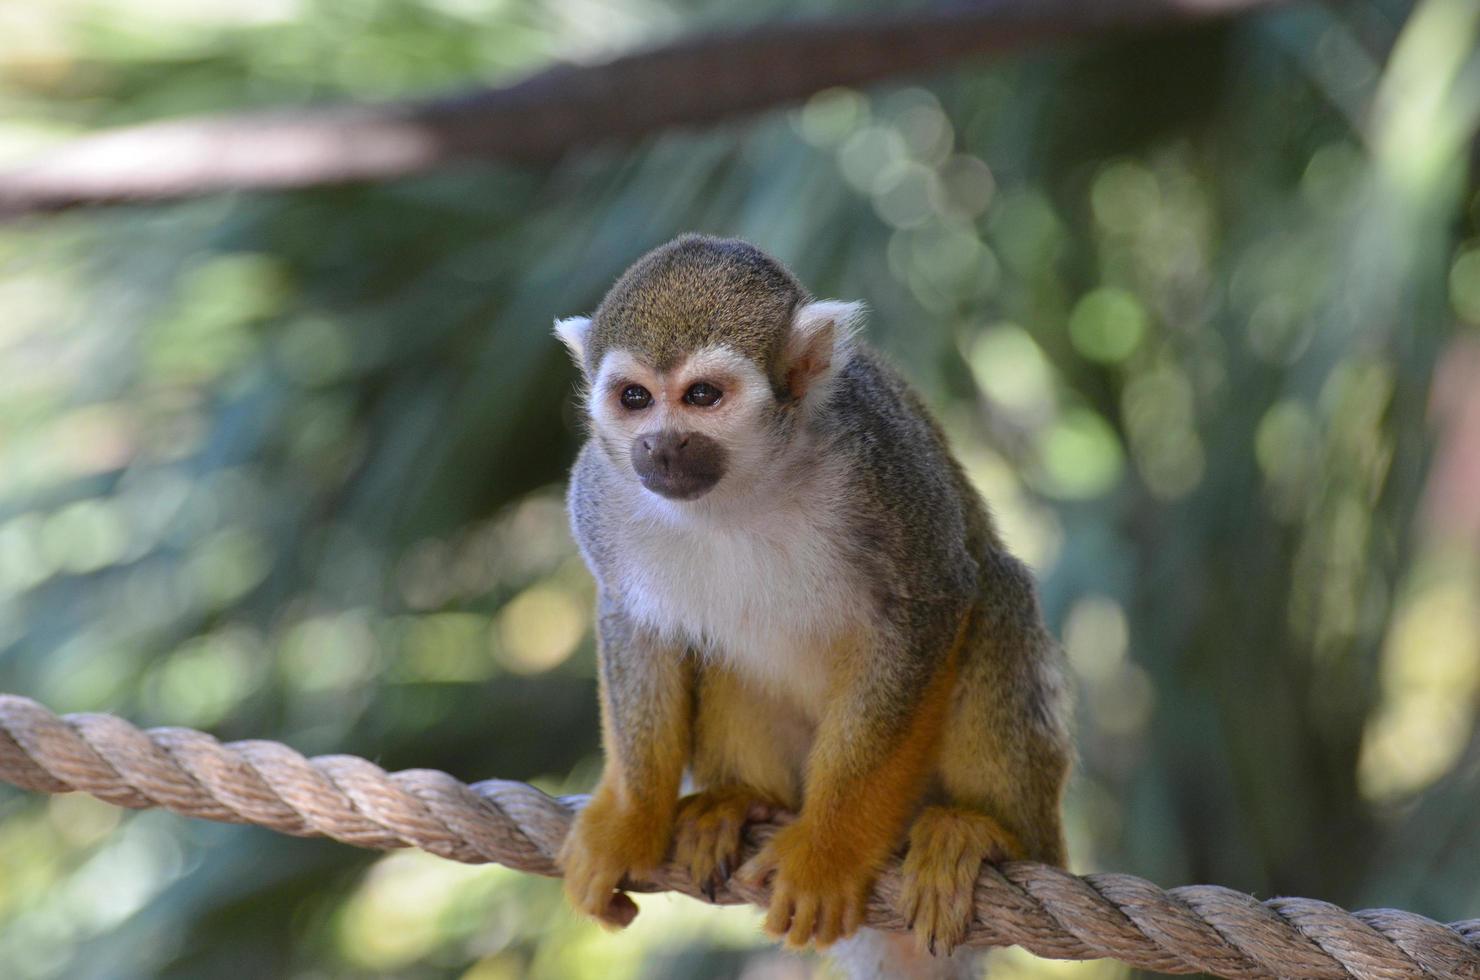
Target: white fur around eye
(617,366)
(744,380)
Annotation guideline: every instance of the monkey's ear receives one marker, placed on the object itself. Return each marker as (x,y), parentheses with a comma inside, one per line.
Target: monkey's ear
(820,344)
(572,332)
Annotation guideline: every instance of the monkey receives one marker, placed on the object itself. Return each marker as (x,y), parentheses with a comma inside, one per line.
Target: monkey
(803,607)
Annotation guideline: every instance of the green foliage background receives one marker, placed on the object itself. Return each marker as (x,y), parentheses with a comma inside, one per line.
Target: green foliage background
(289,466)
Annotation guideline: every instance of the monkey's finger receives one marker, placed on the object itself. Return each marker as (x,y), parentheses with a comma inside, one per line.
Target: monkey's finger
(725,843)
(853,914)
(684,843)
(830,924)
(718,876)
(924,920)
(778,916)
(803,921)
(697,862)
(909,907)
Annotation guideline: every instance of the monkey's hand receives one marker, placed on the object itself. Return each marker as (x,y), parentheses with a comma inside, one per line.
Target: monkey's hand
(710,827)
(819,885)
(947,848)
(607,843)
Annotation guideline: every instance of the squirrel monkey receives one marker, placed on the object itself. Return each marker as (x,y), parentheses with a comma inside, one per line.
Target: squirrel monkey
(803,604)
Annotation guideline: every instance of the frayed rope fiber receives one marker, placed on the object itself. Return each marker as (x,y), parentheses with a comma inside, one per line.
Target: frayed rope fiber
(1045,910)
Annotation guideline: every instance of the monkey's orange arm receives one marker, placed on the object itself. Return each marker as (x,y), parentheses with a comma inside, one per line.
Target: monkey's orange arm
(646,714)
(865,776)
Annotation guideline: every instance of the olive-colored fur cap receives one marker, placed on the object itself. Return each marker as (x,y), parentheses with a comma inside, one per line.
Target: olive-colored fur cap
(694,292)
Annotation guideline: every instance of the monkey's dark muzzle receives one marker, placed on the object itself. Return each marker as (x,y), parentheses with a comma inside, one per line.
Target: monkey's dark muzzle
(678,465)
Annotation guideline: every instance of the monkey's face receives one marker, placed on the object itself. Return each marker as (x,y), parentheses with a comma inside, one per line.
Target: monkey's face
(685,429)
(701,361)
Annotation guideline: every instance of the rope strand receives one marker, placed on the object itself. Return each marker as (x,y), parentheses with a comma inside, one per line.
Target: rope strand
(1047,911)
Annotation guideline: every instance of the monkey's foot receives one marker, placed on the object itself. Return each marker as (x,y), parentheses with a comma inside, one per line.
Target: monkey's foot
(819,887)
(606,844)
(710,827)
(947,848)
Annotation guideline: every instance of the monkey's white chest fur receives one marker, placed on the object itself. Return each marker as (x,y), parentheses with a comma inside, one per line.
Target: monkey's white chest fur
(771,595)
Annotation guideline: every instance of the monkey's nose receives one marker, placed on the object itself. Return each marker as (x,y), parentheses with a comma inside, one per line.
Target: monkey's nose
(679,465)
(664,450)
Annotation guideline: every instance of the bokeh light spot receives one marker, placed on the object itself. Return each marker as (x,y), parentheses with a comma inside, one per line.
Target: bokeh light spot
(869,157)
(1431,687)
(200,683)
(540,628)
(831,115)
(1012,370)
(1080,456)
(1096,638)
(1124,195)
(905,196)
(85,536)
(1287,444)
(1107,325)
(968,185)
(329,652)
(1464,285)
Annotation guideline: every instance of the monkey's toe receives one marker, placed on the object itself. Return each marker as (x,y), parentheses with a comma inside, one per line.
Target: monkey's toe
(813,898)
(947,848)
(798,917)
(710,830)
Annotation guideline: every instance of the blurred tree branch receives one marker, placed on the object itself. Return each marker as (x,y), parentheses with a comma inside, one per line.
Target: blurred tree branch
(693,81)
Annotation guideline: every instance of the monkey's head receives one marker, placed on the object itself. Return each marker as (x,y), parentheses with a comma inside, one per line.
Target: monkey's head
(699,362)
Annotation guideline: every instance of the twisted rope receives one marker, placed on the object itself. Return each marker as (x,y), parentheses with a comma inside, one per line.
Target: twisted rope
(1199,928)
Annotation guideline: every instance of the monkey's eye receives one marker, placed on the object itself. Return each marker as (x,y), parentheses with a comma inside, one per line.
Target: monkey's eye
(703,394)
(636,397)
